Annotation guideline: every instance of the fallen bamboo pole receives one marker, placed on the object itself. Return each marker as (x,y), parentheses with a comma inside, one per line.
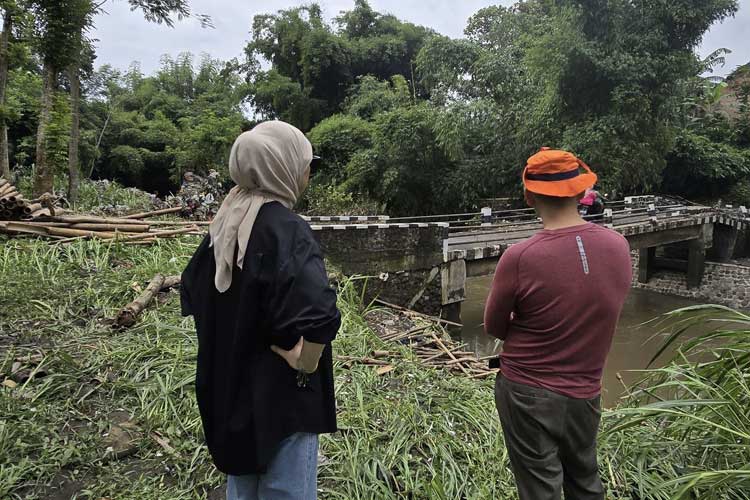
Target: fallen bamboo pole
(33,207)
(150,236)
(409,333)
(157,234)
(153,213)
(68,232)
(365,361)
(484,374)
(128,315)
(178,222)
(459,360)
(42,224)
(13,227)
(42,212)
(448,352)
(91,219)
(120,228)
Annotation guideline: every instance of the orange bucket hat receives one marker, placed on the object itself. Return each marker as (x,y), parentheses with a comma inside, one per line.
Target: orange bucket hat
(557,173)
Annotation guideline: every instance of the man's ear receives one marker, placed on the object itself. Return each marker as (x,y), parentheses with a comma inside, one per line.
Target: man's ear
(529,196)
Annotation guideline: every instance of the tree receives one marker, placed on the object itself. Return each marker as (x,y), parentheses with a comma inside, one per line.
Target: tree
(146,131)
(83,62)
(7,12)
(62,26)
(59,25)
(336,139)
(634,56)
(603,79)
(13,13)
(313,64)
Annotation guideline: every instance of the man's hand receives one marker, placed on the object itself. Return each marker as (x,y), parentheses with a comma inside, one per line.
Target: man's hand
(291,357)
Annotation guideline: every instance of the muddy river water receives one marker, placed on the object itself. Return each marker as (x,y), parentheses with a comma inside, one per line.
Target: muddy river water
(631,349)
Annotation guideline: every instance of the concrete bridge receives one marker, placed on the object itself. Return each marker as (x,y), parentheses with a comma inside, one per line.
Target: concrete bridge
(423,262)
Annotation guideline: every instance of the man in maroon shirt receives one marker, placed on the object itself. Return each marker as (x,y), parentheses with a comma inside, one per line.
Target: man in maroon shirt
(555,301)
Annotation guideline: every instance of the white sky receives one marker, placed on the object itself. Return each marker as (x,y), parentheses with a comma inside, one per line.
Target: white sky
(125,36)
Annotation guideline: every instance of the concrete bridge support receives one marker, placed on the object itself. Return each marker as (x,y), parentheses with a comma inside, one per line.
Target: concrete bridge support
(697,239)
(725,242)
(404,263)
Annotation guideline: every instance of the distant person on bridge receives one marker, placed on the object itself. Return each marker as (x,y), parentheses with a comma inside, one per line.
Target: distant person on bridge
(592,203)
(555,301)
(265,316)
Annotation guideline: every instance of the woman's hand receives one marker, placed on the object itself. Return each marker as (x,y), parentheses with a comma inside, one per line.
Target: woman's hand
(291,357)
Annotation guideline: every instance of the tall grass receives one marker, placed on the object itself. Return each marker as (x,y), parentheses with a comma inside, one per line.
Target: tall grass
(413,433)
(685,432)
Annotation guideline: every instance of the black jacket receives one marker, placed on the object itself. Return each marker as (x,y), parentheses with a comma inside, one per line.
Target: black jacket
(248,396)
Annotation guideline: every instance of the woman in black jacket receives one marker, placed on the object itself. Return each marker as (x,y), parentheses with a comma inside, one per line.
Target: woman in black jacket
(265,317)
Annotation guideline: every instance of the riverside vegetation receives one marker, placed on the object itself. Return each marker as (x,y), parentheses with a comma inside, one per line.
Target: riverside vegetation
(101,413)
(406,120)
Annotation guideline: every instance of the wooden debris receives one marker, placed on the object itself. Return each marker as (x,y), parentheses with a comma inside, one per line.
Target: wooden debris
(418,314)
(128,315)
(426,337)
(349,360)
(13,206)
(40,218)
(385,369)
(67,229)
(154,213)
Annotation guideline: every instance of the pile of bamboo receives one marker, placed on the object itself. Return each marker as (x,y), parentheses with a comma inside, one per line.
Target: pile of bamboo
(131,230)
(13,206)
(426,339)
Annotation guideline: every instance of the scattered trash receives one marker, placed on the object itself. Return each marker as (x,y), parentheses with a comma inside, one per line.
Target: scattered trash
(199,197)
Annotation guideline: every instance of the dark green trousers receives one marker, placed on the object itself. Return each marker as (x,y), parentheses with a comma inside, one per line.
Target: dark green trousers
(551,441)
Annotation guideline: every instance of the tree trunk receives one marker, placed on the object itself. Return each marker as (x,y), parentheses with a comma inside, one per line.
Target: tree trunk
(4,40)
(43,175)
(74,169)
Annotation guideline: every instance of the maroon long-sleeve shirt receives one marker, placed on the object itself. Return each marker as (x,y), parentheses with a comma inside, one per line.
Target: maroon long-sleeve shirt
(555,300)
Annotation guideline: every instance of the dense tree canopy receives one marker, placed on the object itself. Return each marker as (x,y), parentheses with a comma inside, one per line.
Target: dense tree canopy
(313,64)
(403,117)
(142,131)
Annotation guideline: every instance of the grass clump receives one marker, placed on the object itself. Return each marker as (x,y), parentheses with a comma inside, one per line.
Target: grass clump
(685,431)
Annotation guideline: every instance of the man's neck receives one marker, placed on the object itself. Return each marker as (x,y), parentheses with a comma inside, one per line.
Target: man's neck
(561,219)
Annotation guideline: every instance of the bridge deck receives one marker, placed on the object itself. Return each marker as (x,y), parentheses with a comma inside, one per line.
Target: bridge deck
(668,225)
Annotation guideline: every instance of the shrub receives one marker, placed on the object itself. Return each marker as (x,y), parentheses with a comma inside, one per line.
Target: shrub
(327,199)
(336,139)
(739,194)
(699,167)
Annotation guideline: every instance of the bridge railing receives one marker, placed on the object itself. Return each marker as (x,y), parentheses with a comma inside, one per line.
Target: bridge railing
(639,204)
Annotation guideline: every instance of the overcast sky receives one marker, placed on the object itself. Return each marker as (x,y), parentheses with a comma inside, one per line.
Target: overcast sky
(125,36)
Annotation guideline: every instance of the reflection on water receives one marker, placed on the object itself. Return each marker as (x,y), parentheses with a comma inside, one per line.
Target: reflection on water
(631,348)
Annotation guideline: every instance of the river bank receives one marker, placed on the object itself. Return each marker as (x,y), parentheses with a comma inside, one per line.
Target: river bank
(101,413)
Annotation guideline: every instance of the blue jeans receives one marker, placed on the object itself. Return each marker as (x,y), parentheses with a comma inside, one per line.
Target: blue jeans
(291,475)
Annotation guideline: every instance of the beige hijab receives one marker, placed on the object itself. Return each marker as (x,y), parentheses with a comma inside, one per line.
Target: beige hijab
(268,164)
